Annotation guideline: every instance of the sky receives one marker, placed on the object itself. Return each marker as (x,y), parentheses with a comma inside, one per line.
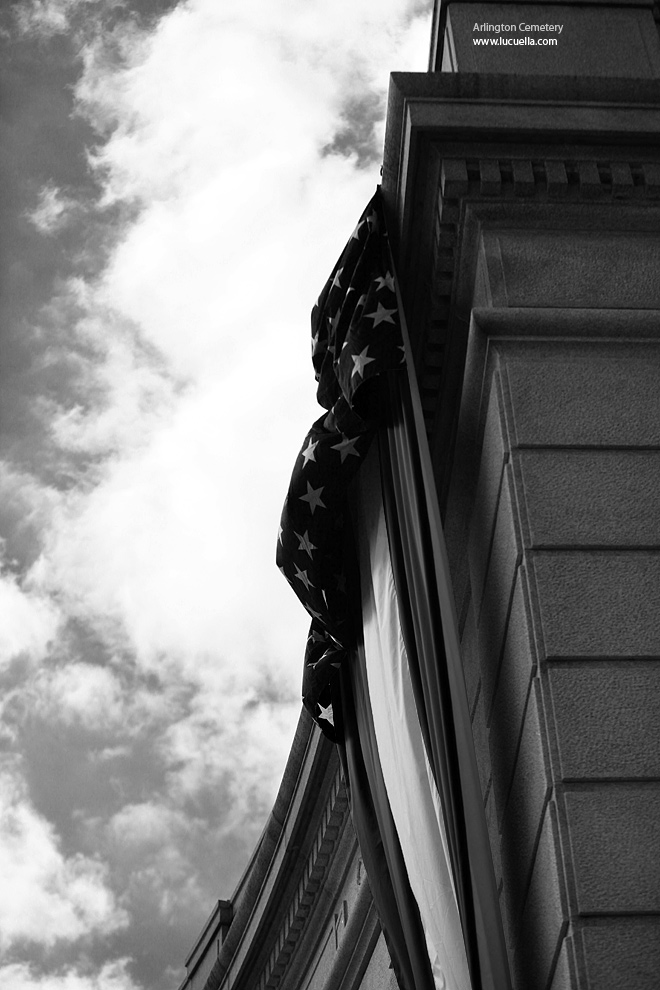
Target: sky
(177,181)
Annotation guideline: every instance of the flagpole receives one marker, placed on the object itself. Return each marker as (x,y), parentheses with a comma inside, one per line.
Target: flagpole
(492,953)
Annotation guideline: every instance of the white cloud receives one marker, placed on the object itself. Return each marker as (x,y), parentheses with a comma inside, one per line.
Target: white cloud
(43,17)
(231,739)
(50,214)
(47,897)
(220,114)
(194,392)
(144,825)
(129,392)
(28,622)
(186,532)
(80,694)
(111,976)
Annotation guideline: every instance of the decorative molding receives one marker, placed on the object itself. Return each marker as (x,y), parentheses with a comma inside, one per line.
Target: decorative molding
(549,179)
(312,877)
(514,180)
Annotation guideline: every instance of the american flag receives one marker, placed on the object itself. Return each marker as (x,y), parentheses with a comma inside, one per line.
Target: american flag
(356,336)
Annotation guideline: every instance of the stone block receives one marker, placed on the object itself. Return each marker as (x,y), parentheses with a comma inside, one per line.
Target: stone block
(480,734)
(621,44)
(489,479)
(652,179)
(520,811)
(591,497)
(599,603)
(622,953)
(591,186)
(575,269)
(542,924)
(490,548)
(513,685)
(622,181)
(509,937)
(453,178)
(615,842)
(470,657)
(523,178)
(379,974)
(494,835)
(497,592)
(491,178)
(562,978)
(556,178)
(603,393)
(607,717)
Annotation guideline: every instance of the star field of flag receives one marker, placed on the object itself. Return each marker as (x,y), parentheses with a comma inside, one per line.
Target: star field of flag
(356,336)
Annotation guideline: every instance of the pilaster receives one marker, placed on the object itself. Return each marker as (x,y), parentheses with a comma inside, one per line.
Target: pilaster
(526,215)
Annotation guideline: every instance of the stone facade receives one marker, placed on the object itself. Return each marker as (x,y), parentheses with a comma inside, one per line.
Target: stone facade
(527,218)
(524,210)
(303,914)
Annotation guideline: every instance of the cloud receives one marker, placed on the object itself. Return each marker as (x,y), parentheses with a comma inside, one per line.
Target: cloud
(50,214)
(47,897)
(80,694)
(222,153)
(28,622)
(215,273)
(43,17)
(111,976)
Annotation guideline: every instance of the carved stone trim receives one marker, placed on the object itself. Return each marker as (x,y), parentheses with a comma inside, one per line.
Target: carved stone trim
(548,179)
(515,180)
(313,875)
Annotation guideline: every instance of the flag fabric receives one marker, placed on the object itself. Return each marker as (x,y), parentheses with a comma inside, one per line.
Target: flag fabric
(361,544)
(356,337)
(408,775)
(429,629)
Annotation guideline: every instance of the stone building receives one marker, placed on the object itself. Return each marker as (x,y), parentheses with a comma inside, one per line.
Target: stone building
(523,189)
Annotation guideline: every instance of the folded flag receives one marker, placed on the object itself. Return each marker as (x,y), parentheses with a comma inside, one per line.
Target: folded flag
(356,336)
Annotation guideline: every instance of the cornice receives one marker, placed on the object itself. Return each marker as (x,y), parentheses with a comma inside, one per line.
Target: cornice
(281,886)
(258,897)
(462,151)
(512,182)
(430,108)
(317,864)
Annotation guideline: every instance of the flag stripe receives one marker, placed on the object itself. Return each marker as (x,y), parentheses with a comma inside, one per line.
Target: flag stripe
(412,562)
(406,769)
(441,668)
(375,828)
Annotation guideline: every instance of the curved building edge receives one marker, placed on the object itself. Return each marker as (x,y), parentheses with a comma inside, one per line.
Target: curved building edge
(302,914)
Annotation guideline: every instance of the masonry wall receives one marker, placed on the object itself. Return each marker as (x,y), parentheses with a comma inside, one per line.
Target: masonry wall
(555,511)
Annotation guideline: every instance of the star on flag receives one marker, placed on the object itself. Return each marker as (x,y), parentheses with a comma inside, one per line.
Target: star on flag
(355,236)
(313,496)
(302,576)
(360,361)
(306,544)
(385,281)
(346,447)
(382,315)
(327,713)
(308,452)
(356,314)
(336,284)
